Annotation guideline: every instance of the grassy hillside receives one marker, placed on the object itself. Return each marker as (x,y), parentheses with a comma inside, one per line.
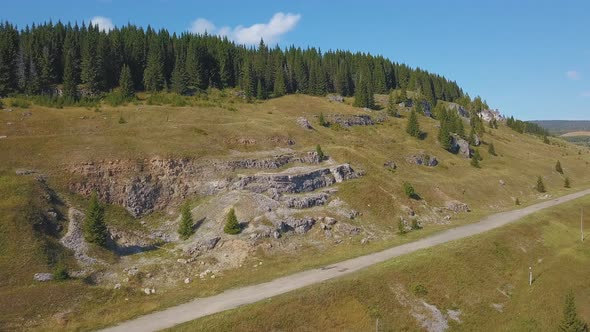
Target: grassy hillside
(484,277)
(50,140)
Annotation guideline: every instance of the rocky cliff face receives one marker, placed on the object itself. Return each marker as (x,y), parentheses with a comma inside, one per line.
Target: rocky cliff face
(151,184)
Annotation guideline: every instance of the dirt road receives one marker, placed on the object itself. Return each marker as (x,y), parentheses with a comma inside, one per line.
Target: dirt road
(236,297)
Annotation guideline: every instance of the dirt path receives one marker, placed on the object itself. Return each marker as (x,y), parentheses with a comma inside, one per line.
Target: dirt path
(236,297)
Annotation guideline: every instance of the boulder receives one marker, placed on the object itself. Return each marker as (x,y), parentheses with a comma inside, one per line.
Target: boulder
(457,206)
(390,164)
(42,277)
(304,123)
(336,98)
(460,146)
(23,171)
(476,140)
(299,226)
(422,159)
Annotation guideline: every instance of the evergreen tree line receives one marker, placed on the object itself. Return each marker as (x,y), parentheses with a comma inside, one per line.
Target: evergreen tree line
(526,127)
(85,61)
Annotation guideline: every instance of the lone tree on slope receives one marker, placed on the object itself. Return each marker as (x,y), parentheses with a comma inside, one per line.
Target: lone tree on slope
(413,127)
(231,224)
(185,229)
(95,230)
(540,185)
(571,322)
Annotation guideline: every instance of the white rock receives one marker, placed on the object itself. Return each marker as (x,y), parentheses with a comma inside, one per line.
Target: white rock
(147,291)
(181,261)
(212,276)
(117,286)
(153,291)
(187,280)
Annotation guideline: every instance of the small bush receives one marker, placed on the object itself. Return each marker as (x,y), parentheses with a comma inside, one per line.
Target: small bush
(185,229)
(60,273)
(409,190)
(517,201)
(21,103)
(420,290)
(323,121)
(491,149)
(475,162)
(122,120)
(566,183)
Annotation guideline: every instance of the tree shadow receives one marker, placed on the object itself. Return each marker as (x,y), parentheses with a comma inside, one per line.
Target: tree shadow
(416,197)
(198,224)
(423,135)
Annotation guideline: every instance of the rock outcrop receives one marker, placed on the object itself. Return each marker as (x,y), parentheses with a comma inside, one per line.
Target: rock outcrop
(295,182)
(460,146)
(457,206)
(307,201)
(353,120)
(147,185)
(304,123)
(422,159)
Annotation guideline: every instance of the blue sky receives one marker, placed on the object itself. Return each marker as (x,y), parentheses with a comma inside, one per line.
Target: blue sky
(530,59)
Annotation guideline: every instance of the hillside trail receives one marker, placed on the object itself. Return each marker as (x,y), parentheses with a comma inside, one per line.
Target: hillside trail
(234,298)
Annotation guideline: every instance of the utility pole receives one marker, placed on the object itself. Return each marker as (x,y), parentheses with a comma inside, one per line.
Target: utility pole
(377,325)
(530,275)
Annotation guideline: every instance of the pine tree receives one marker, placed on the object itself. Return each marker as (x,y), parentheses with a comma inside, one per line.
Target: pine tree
(566,183)
(444,136)
(179,77)
(90,71)
(491,149)
(260,91)
(558,168)
(70,82)
(231,223)
(517,201)
(95,229)
(413,127)
(185,229)
(248,81)
(126,82)
(571,322)
(401,227)
(320,153)
(323,121)
(540,185)
(474,162)
(279,88)
(153,75)
(546,140)
(477,155)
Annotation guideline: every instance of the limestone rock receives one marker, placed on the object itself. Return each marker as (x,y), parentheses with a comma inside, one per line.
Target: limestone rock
(460,146)
(457,206)
(422,159)
(390,164)
(42,277)
(336,98)
(304,123)
(307,201)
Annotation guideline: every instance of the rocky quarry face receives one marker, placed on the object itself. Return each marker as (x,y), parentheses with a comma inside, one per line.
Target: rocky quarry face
(460,146)
(147,185)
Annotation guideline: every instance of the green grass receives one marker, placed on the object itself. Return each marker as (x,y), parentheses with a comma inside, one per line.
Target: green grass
(466,275)
(210,126)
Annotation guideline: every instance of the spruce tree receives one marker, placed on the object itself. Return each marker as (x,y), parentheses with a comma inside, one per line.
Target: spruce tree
(540,185)
(474,162)
(90,71)
(70,82)
(477,155)
(126,82)
(153,75)
(413,127)
(571,322)
(444,136)
(566,182)
(279,88)
(248,81)
(185,229)
(323,121)
(320,153)
(558,168)
(231,223)
(95,229)
(179,78)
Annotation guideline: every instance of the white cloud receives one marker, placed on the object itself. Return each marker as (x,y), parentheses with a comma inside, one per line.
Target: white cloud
(573,75)
(201,26)
(271,32)
(104,23)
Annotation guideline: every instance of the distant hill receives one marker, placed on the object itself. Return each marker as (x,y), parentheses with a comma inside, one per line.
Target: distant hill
(559,127)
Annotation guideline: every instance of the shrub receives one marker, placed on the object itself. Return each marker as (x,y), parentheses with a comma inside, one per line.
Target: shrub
(566,182)
(517,201)
(231,224)
(122,120)
(540,185)
(22,103)
(571,321)
(323,121)
(420,290)
(409,190)
(60,273)
(475,162)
